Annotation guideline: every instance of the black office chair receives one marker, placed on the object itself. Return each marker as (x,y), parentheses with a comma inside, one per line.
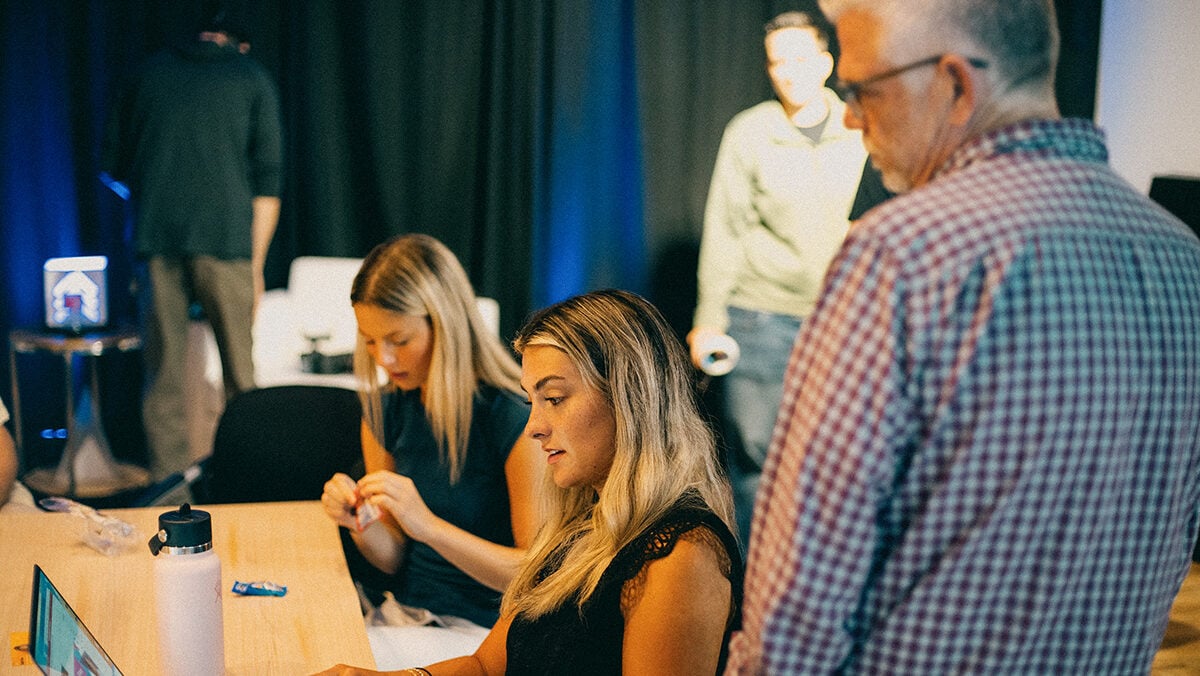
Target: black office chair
(281,443)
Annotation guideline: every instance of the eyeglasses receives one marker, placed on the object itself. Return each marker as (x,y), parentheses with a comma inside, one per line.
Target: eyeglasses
(850,90)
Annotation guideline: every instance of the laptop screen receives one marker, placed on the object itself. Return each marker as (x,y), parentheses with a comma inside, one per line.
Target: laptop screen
(76,292)
(58,640)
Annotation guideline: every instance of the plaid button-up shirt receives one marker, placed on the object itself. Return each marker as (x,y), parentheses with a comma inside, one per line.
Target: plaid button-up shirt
(988,455)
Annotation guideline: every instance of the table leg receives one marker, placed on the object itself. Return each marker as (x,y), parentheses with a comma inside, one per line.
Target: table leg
(16,402)
(72,426)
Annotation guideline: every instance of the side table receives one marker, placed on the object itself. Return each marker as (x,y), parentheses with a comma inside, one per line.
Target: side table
(88,468)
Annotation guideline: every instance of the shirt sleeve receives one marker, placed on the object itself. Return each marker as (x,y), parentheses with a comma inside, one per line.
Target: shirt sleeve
(815,530)
(728,207)
(506,418)
(266,151)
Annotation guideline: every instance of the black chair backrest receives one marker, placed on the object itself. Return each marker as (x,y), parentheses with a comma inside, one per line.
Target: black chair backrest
(1179,195)
(282,443)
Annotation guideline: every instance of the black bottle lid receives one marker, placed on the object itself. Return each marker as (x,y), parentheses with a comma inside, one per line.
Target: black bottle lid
(183,531)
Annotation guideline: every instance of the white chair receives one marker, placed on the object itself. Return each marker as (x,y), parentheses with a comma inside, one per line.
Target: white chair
(490,309)
(314,306)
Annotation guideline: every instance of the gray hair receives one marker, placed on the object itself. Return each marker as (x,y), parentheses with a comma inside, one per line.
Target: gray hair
(1019,38)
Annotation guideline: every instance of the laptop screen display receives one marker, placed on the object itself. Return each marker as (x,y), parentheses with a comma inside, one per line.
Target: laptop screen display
(58,639)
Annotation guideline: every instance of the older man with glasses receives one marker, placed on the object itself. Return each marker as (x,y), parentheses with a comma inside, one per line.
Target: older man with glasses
(988,450)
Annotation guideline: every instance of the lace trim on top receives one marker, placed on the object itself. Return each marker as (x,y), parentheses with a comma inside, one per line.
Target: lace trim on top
(660,544)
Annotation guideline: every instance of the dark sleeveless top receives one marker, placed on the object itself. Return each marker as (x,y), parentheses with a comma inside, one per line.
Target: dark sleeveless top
(478,503)
(568,641)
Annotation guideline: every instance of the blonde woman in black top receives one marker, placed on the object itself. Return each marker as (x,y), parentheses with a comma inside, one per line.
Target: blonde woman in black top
(637,570)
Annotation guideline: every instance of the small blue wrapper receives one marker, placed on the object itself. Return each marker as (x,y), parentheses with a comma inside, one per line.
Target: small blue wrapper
(258,589)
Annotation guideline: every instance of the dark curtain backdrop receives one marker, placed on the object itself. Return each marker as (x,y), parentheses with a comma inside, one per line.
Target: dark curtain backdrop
(555,145)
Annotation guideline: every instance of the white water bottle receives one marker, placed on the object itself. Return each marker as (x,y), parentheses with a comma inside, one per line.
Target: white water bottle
(187,585)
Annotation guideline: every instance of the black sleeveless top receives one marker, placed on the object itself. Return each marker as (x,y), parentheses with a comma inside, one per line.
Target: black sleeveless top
(578,641)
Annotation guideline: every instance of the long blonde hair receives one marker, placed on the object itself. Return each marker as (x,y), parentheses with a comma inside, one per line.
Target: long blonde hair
(664,450)
(419,276)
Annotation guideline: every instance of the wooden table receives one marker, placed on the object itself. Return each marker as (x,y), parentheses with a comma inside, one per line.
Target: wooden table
(316,625)
(1180,651)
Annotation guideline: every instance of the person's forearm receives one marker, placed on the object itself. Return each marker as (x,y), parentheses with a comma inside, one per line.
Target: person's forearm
(459,666)
(492,565)
(382,545)
(8,464)
(490,658)
(262,229)
(6,484)
(720,257)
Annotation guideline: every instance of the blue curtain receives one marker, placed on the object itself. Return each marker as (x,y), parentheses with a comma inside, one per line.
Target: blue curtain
(588,206)
(570,220)
(40,217)
(583,197)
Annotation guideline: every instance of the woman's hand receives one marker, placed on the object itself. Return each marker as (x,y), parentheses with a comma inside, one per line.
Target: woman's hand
(405,516)
(398,496)
(339,499)
(382,543)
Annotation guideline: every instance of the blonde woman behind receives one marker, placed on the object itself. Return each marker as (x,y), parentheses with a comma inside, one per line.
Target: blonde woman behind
(447,468)
(637,570)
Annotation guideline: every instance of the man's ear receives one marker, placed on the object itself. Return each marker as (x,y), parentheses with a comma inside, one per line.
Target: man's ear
(827,60)
(965,88)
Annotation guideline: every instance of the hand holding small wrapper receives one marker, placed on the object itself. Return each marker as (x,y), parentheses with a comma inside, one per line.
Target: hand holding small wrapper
(365,514)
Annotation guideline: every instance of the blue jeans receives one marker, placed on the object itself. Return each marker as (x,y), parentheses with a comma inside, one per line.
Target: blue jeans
(752,395)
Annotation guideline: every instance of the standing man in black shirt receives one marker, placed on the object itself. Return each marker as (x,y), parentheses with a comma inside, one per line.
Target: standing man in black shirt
(196,138)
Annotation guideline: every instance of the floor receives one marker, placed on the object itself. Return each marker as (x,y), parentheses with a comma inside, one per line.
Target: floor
(1180,652)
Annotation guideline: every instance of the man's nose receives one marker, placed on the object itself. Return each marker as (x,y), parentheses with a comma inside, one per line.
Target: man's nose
(852,118)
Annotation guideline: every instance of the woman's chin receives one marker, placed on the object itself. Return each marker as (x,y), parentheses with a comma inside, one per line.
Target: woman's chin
(405,384)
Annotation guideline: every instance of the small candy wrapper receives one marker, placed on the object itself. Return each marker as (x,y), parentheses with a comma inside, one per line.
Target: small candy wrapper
(258,589)
(364,515)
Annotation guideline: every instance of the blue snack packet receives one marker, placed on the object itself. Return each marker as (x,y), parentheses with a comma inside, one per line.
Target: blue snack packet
(258,589)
